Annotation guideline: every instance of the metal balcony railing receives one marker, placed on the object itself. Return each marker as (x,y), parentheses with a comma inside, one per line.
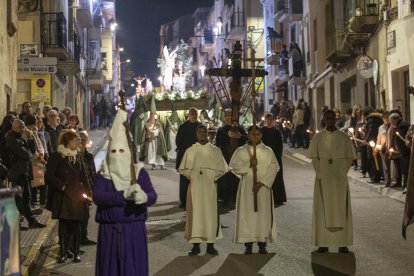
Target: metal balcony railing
(93,59)
(288,7)
(365,8)
(54,30)
(237,20)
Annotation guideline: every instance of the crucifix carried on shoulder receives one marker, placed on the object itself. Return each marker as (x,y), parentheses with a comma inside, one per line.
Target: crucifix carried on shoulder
(238,98)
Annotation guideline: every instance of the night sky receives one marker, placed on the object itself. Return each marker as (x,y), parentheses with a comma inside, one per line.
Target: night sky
(138,29)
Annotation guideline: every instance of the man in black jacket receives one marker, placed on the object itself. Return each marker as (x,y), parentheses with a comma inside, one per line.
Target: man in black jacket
(402,163)
(374,121)
(186,137)
(20,146)
(227,185)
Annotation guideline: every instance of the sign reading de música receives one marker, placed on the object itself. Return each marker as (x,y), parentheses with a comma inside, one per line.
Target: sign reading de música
(43,65)
(41,88)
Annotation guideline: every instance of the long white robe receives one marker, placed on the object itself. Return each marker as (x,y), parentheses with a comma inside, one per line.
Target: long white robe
(153,157)
(332,154)
(202,164)
(253,226)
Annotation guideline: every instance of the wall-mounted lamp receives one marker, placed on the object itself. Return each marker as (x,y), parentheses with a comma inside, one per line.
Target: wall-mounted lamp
(359,11)
(219,24)
(202,70)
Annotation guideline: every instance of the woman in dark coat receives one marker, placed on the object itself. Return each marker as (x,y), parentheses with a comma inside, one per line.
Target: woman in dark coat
(273,139)
(67,176)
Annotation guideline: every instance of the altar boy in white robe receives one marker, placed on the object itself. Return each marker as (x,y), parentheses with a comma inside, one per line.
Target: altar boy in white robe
(202,164)
(254,226)
(332,153)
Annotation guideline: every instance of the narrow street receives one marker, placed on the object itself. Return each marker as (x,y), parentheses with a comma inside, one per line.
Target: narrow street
(377,236)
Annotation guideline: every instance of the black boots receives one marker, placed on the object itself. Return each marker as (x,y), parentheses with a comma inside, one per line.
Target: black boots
(195,250)
(262,247)
(343,250)
(63,242)
(211,250)
(248,248)
(76,241)
(323,249)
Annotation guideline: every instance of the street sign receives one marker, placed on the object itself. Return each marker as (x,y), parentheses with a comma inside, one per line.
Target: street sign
(41,69)
(37,61)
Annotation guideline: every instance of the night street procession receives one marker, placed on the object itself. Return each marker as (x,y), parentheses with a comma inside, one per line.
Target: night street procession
(206,137)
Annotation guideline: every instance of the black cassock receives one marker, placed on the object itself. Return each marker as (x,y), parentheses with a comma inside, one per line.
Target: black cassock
(273,139)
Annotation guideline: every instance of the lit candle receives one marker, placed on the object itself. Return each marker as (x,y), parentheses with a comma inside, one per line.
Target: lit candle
(372,144)
(378,147)
(402,138)
(308,131)
(351,129)
(87,197)
(317,131)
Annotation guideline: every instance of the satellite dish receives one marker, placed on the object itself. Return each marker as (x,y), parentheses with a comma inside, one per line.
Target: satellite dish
(375,68)
(365,66)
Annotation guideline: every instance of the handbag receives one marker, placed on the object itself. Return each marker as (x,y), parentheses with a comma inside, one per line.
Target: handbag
(38,175)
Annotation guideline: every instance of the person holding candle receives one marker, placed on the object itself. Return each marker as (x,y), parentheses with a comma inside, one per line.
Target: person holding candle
(381,148)
(400,126)
(374,121)
(67,175)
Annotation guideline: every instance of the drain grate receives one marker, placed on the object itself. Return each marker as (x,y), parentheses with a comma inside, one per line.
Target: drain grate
(163,221)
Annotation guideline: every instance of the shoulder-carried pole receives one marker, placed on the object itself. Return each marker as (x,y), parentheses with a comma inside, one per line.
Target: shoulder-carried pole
(253,95)
(131,144)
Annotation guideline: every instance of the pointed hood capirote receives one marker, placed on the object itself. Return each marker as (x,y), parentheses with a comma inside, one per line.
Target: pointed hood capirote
(114,166)
(153,108)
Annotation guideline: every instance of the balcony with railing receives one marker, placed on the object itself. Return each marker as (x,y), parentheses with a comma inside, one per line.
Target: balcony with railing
(54,35)
(236,26)
(93,61)
(337,49)
(288,9)
(71,66)
(363,22)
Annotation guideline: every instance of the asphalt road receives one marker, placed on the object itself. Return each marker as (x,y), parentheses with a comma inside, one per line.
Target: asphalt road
(379,248)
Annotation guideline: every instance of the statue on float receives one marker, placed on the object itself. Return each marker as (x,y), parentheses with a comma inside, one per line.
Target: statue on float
(138,115)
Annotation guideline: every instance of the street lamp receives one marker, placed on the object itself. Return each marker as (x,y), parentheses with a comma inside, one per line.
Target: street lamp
(121,49)
(126,61)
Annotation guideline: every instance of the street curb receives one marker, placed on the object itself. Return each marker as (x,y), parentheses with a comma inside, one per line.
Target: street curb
(380,189)
(34,252)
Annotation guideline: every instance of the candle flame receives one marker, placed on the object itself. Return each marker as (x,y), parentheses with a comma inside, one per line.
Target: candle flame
(372,144)
(351,129)
(379,147)
(85,196)
(360,129)
(317,131)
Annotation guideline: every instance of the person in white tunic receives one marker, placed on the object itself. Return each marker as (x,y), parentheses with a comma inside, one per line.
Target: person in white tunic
(254,226)
(332,153)
(202,164)
(153,146)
